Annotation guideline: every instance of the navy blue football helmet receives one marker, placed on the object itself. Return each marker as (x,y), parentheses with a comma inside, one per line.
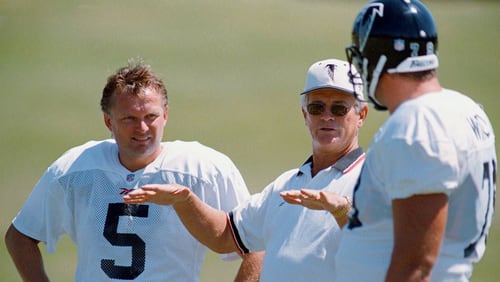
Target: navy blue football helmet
(394,36)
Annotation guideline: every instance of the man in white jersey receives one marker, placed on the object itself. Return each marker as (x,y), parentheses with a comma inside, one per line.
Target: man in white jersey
(424,203)
(81,194)
(299,243)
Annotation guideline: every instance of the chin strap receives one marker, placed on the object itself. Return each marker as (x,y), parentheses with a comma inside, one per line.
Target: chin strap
(376,105)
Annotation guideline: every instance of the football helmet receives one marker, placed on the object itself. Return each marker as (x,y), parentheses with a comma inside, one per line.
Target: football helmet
(393,36)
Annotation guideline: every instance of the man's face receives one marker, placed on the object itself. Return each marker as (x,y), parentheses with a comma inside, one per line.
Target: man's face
(333,131)
(137,124)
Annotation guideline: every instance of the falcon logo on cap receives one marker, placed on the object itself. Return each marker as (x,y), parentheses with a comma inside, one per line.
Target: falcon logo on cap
(331,71)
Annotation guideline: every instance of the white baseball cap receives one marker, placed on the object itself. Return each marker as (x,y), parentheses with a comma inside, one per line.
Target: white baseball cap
(333,73)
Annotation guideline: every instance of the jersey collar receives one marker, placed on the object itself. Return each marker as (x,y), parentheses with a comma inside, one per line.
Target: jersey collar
(345,164)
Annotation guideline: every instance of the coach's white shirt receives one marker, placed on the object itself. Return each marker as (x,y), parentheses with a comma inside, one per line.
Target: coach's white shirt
(81,195)
(437,143)
(300,243)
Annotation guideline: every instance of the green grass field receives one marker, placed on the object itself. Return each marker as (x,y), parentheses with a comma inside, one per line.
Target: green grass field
(233,70)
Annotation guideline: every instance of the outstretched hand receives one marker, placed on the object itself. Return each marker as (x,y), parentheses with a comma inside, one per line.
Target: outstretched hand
(304,197)
(162,194)
(316,200)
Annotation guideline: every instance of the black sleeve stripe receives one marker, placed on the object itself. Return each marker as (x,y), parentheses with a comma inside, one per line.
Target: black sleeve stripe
(236,236)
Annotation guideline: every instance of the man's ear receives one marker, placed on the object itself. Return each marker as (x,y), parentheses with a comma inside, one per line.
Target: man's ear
(107,121)
(362,115)
(165,113)
(304,114)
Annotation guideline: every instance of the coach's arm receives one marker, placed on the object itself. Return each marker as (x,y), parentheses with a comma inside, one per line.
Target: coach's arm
(210,227)
(207,224)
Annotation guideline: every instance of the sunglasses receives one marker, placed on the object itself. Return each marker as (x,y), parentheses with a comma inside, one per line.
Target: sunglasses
(337,110)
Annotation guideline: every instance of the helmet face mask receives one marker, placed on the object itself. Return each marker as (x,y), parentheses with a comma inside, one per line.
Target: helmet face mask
(361,64)
(393,36)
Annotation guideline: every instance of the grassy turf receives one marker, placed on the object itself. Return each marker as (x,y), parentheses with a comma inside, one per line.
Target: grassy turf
(233,70)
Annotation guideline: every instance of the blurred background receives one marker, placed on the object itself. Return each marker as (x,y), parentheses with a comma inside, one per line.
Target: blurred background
(233,69)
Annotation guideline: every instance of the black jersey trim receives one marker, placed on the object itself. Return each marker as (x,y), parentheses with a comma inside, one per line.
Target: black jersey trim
(236,235)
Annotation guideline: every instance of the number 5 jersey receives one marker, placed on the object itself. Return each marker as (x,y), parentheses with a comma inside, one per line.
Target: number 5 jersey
(81,195)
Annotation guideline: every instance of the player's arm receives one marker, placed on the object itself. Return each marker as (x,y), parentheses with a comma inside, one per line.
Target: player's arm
(26,255)
(419,225)
(250,267)
(208,225)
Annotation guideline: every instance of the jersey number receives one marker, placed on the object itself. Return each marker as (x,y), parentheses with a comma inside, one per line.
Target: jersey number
(116,210)
(489,182)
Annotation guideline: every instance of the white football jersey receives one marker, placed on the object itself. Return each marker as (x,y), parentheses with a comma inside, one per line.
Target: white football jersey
(300,243)
(437,143)
(81,195)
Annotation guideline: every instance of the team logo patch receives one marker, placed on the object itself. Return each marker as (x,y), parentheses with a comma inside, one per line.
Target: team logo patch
(399,44)
(130,177)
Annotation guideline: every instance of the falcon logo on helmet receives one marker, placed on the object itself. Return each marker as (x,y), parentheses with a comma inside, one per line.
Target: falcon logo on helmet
(396,38)
(372,11)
